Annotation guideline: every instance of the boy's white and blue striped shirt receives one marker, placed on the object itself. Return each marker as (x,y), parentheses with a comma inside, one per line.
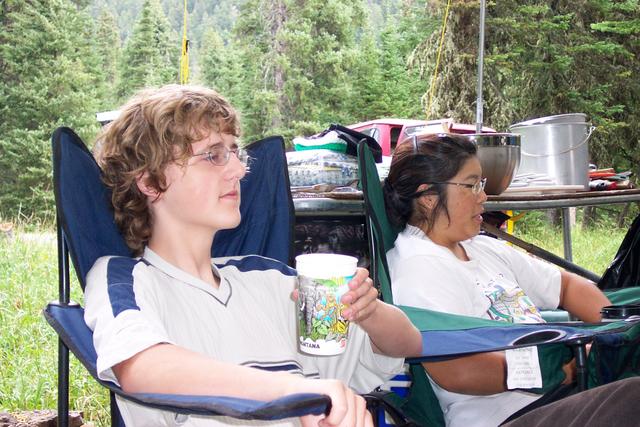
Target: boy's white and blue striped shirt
(250,320)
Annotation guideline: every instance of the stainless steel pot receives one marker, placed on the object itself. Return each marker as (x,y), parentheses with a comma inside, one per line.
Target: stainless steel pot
(557,146)
(499,155)
(552,120)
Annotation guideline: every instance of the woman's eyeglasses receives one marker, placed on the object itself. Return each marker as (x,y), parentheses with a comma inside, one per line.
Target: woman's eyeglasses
(475,188)
(219,155)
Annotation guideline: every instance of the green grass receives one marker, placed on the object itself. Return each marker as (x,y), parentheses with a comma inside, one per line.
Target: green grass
(593,247)
(28,346)
(28,280)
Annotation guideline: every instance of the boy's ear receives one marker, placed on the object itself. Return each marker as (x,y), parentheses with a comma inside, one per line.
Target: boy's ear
(143,185)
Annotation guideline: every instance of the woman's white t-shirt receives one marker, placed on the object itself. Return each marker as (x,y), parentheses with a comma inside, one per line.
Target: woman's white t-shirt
(498,282)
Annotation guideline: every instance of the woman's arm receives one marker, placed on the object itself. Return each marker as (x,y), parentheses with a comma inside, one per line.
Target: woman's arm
(391,332)
(478,374)
(581,297)
(389,329)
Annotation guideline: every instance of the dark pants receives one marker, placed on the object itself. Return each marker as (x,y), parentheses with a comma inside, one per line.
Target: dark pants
(553,396)
(615,404)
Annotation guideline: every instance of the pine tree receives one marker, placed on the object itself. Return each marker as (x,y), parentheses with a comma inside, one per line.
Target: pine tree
(151,55)
(566,57)
(369,98)
(404,85)
(385,82)
(48,81)
(297,56)
(545,58)
(214,61)
(108,50)
(220,66)
(616,27)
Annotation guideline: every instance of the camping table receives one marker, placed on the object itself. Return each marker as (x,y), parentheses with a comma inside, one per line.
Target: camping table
(329,207)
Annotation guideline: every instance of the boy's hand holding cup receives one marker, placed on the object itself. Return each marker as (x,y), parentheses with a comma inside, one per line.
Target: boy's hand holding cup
(362,298)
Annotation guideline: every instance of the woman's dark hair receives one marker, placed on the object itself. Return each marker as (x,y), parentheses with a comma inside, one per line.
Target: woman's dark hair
(420,160)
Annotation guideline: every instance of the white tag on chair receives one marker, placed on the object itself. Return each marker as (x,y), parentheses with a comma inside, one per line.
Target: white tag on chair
(523,368)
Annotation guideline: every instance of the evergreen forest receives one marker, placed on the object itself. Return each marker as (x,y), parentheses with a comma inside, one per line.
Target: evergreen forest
(293,67)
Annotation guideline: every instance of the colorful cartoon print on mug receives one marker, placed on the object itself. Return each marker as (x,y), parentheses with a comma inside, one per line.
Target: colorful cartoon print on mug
(322,280)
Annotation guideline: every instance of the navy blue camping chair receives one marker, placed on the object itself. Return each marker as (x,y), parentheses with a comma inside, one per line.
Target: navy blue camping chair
(86,231)
(268,217)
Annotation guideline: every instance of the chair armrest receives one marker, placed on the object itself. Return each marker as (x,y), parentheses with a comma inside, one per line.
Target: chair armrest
(68,322)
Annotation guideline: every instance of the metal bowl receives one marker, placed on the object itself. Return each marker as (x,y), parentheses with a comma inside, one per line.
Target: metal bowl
(499,155)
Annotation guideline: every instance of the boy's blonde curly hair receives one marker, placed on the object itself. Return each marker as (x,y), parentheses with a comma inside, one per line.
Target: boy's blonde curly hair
(156,127)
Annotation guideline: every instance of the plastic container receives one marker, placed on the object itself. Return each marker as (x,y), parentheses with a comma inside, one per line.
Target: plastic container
(311,167)
(324,141)
(556,146)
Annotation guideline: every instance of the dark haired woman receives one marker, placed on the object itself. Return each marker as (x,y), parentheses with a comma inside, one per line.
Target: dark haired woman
(435,194)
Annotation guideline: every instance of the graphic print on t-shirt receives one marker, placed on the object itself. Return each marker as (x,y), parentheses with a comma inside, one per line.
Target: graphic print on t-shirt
(509,303)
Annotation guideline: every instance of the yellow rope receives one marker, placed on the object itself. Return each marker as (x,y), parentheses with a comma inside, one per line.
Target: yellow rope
(435,71)
(184,58)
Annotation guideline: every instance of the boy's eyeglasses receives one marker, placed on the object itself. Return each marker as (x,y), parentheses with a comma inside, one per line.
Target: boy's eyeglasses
(475,188)
(219,155)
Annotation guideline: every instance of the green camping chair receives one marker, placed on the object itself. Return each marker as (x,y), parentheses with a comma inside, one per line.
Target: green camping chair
(614,352)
